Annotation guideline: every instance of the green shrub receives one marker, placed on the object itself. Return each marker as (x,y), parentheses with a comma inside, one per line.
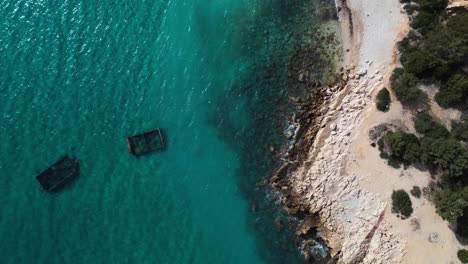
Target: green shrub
(425,21)
(460,130)
(450,203)
(416,192)
(448,154)
(390,159)
(448,44)
(410,9)
(454,93)
(403,147)
(405,85)
(433,6)
(404,45)
(383,100)
(462,224)
(457,28)
(401,203)
(436,54)
(463,255)
(422,63)
(424,124)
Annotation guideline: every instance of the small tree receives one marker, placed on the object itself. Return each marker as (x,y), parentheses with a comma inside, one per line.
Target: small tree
(460,130)
(451,203)
(424,124)
(454,93)
(462,224)
(404,147)
(463,255)
(416,192)
(420,62)
(405,85)
(383,100)
(433,6)
(425,21)
(401,203)
(448,154)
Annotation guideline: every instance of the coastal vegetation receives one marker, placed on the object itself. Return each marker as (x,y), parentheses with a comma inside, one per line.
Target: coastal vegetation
(450,202)
(405,85)
(463,255)
(445,155)
(448,155)
(383,100)
(460,131)
(401,203)
(435,52)
(425,125)
(454,92)
(400,148)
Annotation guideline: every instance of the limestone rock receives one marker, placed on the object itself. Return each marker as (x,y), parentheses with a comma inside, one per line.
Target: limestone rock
(350,217)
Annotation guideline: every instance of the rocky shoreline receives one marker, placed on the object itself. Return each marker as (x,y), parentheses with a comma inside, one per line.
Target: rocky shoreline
(309,115)
(311,180)
(332,181)
(319,210)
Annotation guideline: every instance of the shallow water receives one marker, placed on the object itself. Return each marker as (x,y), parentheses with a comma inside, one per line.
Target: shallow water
(79,76)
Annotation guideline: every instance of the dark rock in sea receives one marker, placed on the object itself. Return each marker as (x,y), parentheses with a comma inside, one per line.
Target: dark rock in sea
(282,171)
(262,183)
(278,224)
(307,257)
(305,226)
(253,205)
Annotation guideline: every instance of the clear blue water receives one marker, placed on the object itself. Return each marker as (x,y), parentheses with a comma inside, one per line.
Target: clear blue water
(78,76)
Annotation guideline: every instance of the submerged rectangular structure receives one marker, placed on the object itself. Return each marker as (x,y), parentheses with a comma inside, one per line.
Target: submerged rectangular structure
(59,174)
(146,142)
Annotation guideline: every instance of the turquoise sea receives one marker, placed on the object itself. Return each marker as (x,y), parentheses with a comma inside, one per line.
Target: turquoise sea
(78,76)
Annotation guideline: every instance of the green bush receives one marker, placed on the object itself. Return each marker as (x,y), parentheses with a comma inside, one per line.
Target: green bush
(450,203)
(454,93)
(433,6)
(403,147)
(422,63)
(416,192)
(460,130)
(405,85)
(390,159)
(401,203)
(448,154)
(456,26)
(410,9)
(383,100)
(436,54)
(425,21)
(463,255)
(449,43)
(424,124)
(404,45)
(462,224)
